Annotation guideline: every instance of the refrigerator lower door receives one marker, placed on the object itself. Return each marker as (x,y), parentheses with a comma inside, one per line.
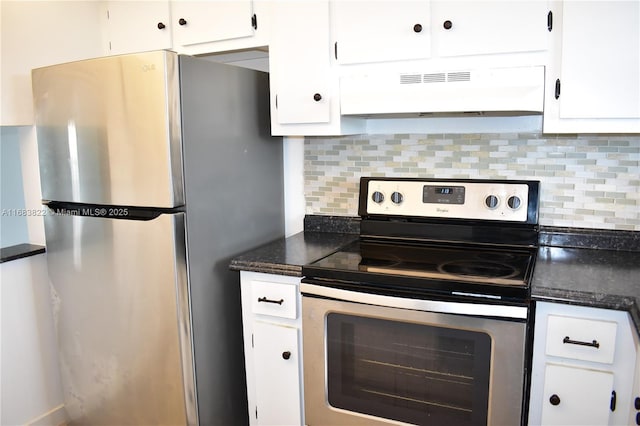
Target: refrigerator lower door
(121,310)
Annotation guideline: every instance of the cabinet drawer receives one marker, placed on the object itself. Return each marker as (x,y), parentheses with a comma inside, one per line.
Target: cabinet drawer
(581,339)
(275,299)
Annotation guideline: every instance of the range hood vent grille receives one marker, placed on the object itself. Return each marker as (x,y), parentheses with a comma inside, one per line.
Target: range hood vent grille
(440,77)
(459,76)
(410,78)
(482,91)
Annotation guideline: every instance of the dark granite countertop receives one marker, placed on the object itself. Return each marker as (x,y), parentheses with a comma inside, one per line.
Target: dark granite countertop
(19,251)
(576,266)
(286,256)
(592,277)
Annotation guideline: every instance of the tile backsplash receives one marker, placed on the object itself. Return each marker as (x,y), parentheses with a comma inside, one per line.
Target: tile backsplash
(586,181)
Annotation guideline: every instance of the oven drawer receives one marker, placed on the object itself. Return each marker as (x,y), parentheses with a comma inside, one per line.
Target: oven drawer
(274,299)
(581,339)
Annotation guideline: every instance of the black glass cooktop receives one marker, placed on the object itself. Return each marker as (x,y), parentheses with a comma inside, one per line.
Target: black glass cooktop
(441,268)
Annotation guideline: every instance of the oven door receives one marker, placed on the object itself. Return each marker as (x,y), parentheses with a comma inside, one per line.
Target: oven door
(372,359)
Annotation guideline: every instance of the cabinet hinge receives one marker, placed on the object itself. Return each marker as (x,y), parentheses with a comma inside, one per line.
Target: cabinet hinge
(614,398)
(550,21)
(557,88)
(254,21)
(276,101)
(335,50)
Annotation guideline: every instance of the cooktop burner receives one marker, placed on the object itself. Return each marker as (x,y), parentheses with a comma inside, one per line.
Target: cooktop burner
(431,262)
(479,269)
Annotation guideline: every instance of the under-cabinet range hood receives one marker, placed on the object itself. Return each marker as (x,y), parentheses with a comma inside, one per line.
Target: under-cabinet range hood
(489,91)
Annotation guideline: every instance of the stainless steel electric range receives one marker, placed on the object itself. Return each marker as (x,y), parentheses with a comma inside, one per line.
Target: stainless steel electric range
(423,320)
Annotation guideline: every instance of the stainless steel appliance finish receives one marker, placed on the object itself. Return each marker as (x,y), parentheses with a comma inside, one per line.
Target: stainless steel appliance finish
(143,158)
(424,319)
(506,351)
(107,123)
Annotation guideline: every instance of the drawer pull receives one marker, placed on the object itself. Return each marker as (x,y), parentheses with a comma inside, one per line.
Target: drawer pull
(593,344)
(264,299)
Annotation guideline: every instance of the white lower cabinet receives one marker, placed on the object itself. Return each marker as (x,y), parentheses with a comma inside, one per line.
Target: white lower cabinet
(576,396)
(273,348)
(276,351)
(583,366)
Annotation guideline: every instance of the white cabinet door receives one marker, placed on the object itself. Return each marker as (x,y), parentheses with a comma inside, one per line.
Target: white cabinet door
(195,22)
(378,31)
(137,26)
(300,56)
(593,82)
(576,396)
(277,374)
(601,53)
(486,27)
(304,82)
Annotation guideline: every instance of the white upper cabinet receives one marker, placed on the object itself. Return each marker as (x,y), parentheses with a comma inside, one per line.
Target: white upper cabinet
(593,76)
(300,56)
(488,27)
(37,34)
(380,30)
(196,22)
(190,27)
(137,26)
(304,81)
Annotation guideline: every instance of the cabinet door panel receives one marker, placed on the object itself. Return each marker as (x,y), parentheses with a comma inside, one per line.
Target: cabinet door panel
(583,396)
(210,20)
(600,59)
(138,26)
(277,360)
(489,27)
(380,30)
(300,57)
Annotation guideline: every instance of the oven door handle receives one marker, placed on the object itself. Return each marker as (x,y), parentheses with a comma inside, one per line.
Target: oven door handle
(461,308)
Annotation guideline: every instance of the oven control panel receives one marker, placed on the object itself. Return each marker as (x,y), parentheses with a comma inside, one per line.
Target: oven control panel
(483,200)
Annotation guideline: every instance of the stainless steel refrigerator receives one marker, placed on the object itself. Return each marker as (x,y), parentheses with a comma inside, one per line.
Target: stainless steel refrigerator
(156,170)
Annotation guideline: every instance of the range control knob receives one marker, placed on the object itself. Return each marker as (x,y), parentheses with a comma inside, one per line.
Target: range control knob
(491,201)
(377,197)
(514,202)
(397,197)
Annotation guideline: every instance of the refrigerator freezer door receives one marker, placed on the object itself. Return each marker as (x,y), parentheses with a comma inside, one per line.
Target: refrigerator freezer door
(121,310)
(109,130)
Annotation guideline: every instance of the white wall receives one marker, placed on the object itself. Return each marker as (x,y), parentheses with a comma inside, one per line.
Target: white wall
(294,202)
(30,390)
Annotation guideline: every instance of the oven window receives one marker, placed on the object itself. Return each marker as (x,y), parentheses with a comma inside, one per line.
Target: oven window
(408,372)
